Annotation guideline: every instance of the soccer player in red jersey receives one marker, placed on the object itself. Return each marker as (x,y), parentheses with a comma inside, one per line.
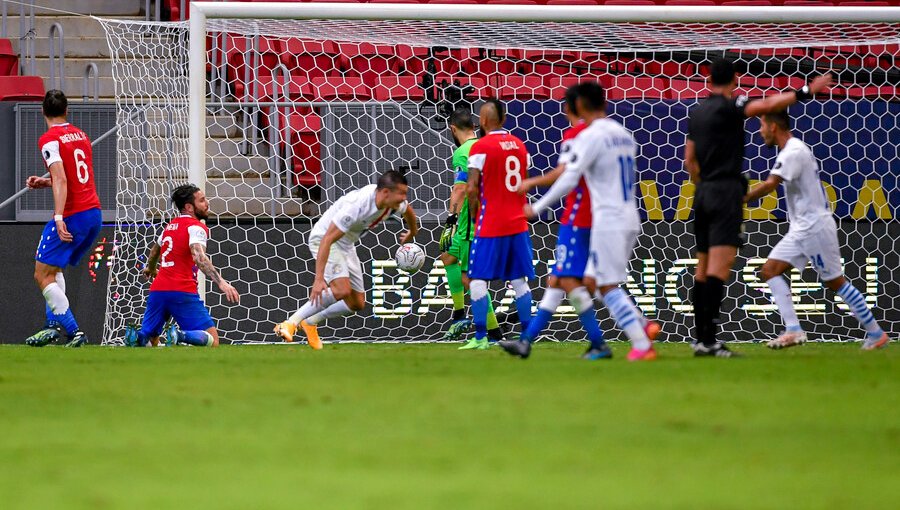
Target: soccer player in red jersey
(501,250)
(76,217)
(572,249)
(172,264)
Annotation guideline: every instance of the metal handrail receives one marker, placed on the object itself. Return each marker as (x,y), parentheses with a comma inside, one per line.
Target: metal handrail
(91,70)
(56,36)
(275,136)
(26,40)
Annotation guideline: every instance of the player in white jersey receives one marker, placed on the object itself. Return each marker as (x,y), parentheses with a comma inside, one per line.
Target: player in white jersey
(812,235)
(338,288)
(604,154)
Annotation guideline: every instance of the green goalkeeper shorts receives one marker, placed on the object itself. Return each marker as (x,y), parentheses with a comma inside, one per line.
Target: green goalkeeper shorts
(460,248)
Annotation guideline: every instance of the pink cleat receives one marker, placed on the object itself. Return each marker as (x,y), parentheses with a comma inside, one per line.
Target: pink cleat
(645,355)
(787,339)
(871,344)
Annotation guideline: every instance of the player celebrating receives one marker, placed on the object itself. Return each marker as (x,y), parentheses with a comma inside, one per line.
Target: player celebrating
(172,265)
(604,154)
(456,239)
(572,246)
(498,163)
(812,234)
(76,217)
(713,154)
(338,286)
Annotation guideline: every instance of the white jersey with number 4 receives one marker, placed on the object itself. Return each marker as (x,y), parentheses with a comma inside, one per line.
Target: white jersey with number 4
(353,214)
(806,202)
(604,154)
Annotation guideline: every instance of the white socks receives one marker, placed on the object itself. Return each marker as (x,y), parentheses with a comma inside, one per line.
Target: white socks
(55,295)
(309,309)
(781,295)
(336,310)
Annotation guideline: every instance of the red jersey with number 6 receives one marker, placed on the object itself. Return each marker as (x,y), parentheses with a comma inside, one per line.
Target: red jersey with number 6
(503,161)
(66,144)
(177,271)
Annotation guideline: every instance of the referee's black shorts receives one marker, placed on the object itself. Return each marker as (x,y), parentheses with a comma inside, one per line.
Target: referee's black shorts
(719,214)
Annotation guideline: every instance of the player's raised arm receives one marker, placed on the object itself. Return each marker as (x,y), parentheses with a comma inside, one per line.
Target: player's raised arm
(412,223)
(203,262)
(568,178)
(781,101)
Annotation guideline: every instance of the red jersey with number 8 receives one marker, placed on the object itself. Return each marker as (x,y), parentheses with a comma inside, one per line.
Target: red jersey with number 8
(503,161)
(66,144)
(177,271)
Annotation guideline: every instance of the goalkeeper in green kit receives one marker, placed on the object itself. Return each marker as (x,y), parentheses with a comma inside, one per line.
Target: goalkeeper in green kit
(458,233)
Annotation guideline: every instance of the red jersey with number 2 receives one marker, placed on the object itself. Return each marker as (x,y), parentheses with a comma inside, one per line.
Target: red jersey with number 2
(502,160)
(578,203)
(176,263)
(70,146)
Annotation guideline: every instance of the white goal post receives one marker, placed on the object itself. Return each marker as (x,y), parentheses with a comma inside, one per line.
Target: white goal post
(234,101)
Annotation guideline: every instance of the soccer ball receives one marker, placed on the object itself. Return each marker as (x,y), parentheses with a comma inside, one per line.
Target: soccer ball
(410,257)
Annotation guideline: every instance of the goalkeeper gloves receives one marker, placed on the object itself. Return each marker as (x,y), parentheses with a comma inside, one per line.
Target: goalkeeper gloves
(449,231)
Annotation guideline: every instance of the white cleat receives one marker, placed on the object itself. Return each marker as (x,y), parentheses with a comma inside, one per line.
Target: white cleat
(788,339)
(870,344)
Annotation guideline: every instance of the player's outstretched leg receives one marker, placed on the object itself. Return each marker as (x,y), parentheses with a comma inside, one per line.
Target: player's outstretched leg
(581,300)
(53,287)
(480,305)
(630,320)
(876,338)
(781,295)
(553,296)
(197,338)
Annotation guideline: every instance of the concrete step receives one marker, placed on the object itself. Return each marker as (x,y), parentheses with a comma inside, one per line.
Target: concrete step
(95,7)
(215,147)
(248,187)
(74,67)
(72,26)
(97,47)
(159,166)
(160,125)
(255,207)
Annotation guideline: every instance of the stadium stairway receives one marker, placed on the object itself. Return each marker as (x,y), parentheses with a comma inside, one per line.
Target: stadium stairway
(239,183)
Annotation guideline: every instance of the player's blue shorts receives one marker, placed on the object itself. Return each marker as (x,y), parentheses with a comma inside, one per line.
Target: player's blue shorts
(501,258)
(185,307)
(84,227)
(573,247)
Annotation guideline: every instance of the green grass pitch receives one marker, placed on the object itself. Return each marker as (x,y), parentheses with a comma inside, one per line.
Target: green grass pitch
(427,427)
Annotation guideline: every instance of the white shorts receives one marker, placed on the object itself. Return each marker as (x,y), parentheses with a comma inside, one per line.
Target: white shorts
(342,263)
(611,251)
(820,247)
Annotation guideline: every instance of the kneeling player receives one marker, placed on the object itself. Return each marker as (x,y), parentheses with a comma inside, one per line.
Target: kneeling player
(173,264)
(338,287)
(812,235)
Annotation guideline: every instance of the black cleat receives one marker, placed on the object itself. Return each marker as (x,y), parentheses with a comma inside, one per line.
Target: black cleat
(716,350)
(519,348)
(77,340)
(43,337)
(595,353)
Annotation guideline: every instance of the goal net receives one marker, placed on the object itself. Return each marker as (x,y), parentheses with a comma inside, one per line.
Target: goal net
(293,113)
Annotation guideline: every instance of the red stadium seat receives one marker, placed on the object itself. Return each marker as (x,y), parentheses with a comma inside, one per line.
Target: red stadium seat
(557,85)
(453,1)
(628,2)
(514,2)
(690,2)
(521,87)
(681,90)
(760,3)
(862,4)
(328,88)
(21,88)
(573,2)
(801,3)
(397,88)
(302,134)
(636,87)
(9,60)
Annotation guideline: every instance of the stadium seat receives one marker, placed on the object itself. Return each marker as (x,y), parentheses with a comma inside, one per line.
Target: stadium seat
(310,58)
(863,4)
(327,88)
(9,60)
(521,87)
(801,3)
(557,85)
(397,88)
(21,88)
(636,87)
(302,134)
(453,1)
(760,3)
(628,2)
(573,2)
(681,90)
(513,2)
(691,2)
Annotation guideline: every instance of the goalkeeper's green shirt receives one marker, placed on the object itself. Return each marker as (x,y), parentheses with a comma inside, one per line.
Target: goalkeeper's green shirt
(461,175)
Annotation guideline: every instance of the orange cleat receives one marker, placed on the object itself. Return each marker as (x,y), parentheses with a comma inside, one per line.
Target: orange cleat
(312,335)
(286,331)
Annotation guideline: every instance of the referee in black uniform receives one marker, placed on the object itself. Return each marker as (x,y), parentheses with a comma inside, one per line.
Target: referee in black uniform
(713,156)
